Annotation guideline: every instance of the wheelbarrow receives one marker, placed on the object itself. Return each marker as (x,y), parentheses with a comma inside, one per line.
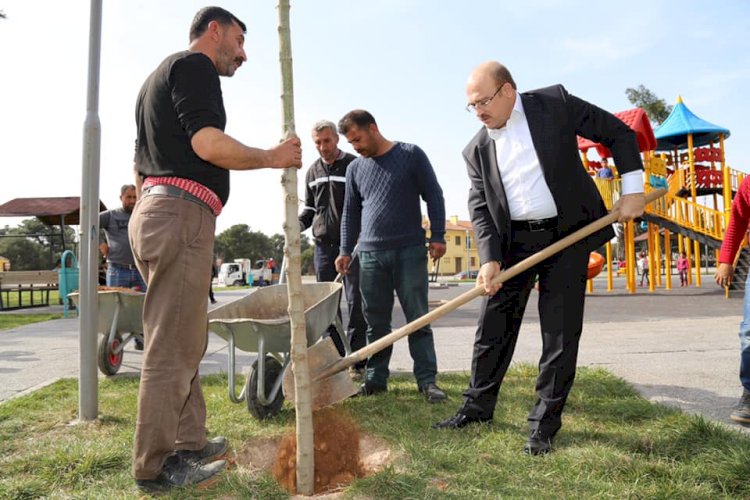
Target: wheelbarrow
(119,322)
(259,322)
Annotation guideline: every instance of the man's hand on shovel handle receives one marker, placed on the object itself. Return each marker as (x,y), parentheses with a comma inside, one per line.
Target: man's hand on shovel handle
(630,206)
(487,273)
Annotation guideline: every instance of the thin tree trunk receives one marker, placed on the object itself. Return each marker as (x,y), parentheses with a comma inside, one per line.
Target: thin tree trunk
(303,401)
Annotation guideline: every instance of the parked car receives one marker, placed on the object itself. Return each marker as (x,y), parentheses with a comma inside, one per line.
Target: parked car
(462,275)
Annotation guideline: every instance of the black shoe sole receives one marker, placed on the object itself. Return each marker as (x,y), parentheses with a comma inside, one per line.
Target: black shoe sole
(739,419)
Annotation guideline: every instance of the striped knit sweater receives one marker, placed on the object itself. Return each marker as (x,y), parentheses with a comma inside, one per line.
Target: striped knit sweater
(382,205)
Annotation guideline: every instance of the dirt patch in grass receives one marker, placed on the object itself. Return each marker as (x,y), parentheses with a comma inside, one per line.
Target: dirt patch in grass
(342,454)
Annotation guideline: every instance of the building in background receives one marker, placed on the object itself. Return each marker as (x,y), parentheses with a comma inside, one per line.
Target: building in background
(461,258)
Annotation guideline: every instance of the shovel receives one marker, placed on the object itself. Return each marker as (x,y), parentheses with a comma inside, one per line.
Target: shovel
(331,384)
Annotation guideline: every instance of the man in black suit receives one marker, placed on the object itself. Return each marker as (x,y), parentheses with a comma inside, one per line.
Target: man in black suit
(528,190)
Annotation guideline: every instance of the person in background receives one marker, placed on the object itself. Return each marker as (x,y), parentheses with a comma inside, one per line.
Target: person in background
(182,163)
(383,217)
(739,220)
(604,171)
(682,268)
(528,190)
(643,264)
(121,269)
(324,204)
(214,274)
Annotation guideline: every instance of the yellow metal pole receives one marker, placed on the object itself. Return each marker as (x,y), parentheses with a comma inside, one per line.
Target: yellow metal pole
(697,247)
(689,255)
(668,259)
(651,263)
(630,255)
(608,248)
(657,256)
(693,186)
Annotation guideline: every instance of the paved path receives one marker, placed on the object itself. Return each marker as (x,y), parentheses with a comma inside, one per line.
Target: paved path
(678,347)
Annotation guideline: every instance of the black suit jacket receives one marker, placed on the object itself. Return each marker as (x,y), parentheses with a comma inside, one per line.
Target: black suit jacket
(555,118)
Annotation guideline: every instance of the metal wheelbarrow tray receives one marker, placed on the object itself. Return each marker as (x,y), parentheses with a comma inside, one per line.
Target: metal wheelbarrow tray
(120,313)
(259,322)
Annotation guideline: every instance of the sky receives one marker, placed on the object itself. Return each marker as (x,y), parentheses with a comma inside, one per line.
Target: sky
(405,61)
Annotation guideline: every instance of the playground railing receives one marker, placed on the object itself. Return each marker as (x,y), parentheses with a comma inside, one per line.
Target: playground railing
(609,189)
(694,216)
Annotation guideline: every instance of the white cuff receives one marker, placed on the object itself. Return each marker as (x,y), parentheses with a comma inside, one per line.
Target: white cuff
(632,182)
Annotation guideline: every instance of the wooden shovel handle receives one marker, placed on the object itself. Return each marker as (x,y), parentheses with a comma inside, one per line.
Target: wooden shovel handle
(475,292)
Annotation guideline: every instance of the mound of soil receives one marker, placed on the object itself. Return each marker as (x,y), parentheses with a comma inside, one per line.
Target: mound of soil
(336,444)
(342,454)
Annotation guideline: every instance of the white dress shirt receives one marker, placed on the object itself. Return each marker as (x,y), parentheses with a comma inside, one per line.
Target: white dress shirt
(526,190)
(528,195)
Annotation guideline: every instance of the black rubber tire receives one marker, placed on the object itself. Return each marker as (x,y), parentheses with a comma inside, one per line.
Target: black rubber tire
(109,364)
(255,407)
(238,283)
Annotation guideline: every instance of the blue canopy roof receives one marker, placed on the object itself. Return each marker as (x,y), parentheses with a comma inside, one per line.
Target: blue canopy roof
(681,122)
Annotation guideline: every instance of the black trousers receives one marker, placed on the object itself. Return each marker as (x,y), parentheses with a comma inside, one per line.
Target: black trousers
(325,270)
(562,288)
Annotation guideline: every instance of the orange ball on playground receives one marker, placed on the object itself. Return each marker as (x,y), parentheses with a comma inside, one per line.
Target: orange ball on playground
(596,263)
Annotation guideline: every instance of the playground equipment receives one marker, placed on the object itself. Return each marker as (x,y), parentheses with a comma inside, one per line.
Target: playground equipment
(686,156)
(67,279)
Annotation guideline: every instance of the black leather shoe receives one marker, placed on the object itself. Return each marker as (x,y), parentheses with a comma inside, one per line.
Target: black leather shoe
(539,443)
(459,421)
(371,389)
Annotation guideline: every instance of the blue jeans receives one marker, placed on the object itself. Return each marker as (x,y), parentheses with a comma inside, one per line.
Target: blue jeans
(745,340)
(124,277)
(405,271)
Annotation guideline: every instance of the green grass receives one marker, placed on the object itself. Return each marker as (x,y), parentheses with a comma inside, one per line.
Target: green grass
(12,320)
(614,444)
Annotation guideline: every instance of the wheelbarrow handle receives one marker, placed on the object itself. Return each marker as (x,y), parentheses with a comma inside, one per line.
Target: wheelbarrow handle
(475,292)
(355,254)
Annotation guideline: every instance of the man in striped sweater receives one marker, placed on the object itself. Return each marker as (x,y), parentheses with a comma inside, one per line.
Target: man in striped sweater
(382,215)
(738,223)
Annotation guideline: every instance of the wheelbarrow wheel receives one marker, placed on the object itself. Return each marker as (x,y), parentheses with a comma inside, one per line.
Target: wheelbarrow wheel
(109,362)
(257,409)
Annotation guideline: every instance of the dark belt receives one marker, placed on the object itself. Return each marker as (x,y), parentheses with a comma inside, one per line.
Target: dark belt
(174,192)
(123,266)
(534,225)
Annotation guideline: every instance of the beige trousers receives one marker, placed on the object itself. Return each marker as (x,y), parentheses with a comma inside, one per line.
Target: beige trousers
(172,241)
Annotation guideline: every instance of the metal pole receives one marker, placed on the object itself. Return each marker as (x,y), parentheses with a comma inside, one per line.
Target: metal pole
(87,378)
(468,255)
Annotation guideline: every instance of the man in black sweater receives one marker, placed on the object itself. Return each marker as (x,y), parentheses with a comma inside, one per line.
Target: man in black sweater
(324,204)
(182,162)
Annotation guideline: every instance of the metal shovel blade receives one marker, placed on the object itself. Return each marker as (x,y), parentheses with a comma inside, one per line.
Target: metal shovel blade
(328,390)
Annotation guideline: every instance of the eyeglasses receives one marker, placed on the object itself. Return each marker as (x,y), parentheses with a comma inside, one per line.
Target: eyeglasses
(472,107)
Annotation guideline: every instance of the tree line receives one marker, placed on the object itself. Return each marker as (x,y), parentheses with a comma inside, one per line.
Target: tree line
(33,245)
